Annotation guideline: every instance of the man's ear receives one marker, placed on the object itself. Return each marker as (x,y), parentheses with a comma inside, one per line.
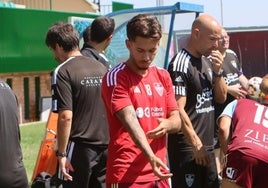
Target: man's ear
(109,39)
(128,43)
(57,46)
(196,33)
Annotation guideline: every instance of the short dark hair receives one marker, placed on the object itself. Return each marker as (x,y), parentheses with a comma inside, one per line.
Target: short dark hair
(101,28)
(144,25)
(64,35)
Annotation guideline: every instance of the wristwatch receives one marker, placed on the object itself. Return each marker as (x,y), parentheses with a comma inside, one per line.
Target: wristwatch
(63,154)
(217,75)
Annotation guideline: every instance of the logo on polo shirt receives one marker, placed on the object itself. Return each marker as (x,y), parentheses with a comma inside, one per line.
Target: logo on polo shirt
(91,81)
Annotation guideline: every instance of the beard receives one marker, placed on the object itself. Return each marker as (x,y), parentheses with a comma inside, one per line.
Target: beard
(143,68)
(143,65)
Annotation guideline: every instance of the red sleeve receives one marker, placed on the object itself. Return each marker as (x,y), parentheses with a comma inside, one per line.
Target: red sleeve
(116,95)
(120,96)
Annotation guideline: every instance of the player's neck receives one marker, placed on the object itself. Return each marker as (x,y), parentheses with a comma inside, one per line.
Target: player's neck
(133,67)
(74,53)
(100,47)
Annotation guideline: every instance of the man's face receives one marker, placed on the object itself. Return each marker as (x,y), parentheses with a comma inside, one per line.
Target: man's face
(142,52)
(207,38)
(224,41)
(209,41)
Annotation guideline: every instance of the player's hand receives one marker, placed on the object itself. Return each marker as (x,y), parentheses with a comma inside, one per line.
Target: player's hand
(236,91)
(201,155)
(216,59)
(65,167)
(159,131)
(159,168)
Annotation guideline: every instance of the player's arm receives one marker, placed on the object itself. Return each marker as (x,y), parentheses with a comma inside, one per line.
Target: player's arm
(243,81)
(173,121)
(63,129)
(219,89)
(224,124)
(236,91)
(200,153)
(128,117)
(63,133)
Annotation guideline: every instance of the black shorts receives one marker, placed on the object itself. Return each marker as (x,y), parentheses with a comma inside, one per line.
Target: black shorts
(89,163)
(186,173)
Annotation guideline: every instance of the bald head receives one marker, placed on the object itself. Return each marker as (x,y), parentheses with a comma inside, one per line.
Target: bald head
(205,21)
(206,31)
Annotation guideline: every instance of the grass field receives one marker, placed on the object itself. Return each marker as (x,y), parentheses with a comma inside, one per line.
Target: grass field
(31,136)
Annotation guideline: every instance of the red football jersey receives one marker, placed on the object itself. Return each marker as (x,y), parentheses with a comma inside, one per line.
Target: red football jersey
(152,97)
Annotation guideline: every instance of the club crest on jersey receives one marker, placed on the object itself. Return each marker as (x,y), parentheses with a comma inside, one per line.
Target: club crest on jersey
(159,88)
(189,178)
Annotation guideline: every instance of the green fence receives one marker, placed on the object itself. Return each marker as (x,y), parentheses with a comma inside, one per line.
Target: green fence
(22,36)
